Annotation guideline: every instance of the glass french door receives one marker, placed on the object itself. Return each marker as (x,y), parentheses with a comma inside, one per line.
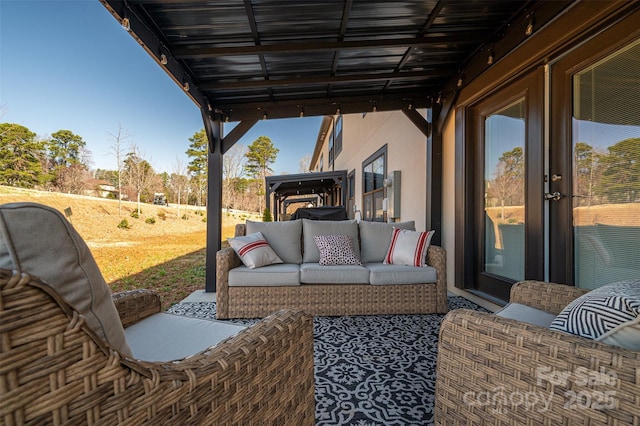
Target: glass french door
(597,163)
(507,192)
(562,204)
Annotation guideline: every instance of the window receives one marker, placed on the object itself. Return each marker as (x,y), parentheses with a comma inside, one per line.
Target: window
(374,169)
(322,162)
(331,149)
(338,137)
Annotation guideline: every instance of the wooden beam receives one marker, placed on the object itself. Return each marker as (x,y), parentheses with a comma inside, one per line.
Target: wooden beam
(141,31)
(238,132)
(418,120)
(434,181)
(314,107)
(213,130)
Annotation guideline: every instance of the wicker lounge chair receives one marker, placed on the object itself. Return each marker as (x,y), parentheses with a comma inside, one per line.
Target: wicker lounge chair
(493,370)
(55,370)
(72,354)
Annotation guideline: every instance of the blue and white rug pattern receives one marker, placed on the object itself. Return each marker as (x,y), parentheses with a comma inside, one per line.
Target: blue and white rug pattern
(369,370)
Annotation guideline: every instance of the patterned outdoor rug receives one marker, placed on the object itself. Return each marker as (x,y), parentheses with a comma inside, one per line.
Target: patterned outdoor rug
(369,370)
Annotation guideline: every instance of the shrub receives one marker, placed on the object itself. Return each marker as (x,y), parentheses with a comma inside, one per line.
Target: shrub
(266,216)
(150,220)
(134,214)
(185,217)
(124,224)
(204,219)
(162,216)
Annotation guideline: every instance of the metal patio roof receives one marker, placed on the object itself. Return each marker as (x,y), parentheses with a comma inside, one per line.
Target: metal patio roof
(254,59)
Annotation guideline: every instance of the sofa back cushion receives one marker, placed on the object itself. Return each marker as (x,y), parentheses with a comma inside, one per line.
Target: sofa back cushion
(37,239)
(283,237)
(375,238)
(311,228)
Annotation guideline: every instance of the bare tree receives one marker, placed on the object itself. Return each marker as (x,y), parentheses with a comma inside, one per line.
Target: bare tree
(233,166)
(179,180)
(116,148)
(305,162)
(74,179)
(139,173)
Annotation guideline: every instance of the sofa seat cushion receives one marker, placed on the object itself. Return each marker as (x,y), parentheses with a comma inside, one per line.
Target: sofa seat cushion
(283,274)
(167,337)
(524,313)
(381,274)
(314,273)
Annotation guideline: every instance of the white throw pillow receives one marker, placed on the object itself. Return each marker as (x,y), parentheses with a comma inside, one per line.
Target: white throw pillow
(336,250)
(375,238)
(408,247)
(254,250)
(609,314)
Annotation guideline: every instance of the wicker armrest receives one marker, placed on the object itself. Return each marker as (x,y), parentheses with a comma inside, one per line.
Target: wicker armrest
(263,375)
(136,305)
(226,259)
(549,297)
(437,258)
(494,370)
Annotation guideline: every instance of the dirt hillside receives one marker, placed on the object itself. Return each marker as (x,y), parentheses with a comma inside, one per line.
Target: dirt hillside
(167,255)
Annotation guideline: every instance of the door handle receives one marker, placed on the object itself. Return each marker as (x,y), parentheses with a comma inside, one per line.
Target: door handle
(555,196)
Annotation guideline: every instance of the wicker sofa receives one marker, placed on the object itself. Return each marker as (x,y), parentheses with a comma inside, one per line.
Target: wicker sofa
(329,298)
(494,370)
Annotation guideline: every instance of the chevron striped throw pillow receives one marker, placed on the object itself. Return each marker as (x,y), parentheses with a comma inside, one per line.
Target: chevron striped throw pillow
(610,314)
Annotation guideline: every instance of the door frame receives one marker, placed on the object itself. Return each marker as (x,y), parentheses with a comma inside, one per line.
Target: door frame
(531,87)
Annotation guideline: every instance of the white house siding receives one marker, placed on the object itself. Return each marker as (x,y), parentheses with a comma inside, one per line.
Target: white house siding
(406,151)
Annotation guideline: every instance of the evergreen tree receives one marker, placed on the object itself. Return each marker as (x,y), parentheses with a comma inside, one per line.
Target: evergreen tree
(66,149)
(620,181)
(198,152)
(21,156)
(260,155)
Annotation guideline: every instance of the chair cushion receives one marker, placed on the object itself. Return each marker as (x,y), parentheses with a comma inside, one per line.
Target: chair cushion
(524,313)
(381,274)
(375,238)
(336,250)
(609,314)
(408,247)
(311,228)
(37,239)
(254,250)
(285,238)
(284,274)
(167,337)
(314,273)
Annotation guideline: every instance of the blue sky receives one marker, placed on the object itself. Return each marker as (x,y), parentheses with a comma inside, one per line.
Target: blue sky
(69,65)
